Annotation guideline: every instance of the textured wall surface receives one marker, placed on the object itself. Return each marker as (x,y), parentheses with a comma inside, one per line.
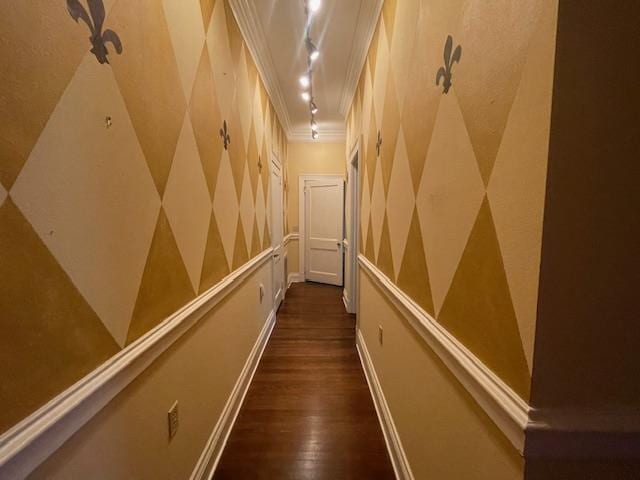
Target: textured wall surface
(438,421)
(119,201)
(453,177)
(199,371)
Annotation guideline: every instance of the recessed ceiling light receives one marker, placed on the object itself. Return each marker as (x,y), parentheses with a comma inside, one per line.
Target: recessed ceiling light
(306,96)
(304,81)
(314,53)
(314,5)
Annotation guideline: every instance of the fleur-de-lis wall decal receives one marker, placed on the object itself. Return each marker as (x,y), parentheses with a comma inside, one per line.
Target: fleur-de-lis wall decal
(259,164)
(98,38)
(379,143)
(446,72)
(226,138)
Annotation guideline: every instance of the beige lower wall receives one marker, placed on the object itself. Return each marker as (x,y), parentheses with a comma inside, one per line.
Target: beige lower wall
(129,439)
(445,435)
(293,257)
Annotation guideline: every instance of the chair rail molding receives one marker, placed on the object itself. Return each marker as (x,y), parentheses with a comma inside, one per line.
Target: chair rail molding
(30,442)
(565,433)
(509,412)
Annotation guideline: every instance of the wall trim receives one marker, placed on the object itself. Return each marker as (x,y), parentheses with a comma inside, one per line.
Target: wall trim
(508,411)
(365,28)
(256,40)
(294,277)
(397,455)
(30,442)
(327,135)
(291,237)
(210,457)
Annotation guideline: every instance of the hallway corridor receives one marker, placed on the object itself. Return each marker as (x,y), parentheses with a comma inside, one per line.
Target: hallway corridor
(308,413)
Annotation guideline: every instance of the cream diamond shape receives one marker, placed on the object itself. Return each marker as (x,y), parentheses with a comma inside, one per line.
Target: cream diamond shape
(188,204)
(516,190)
(261,211)
(247,209)
(187,36)
(449,197)
(380,76)
(225,207)
(400,202)
(87,191)
(258,119)
(220,55)
(367,105)
(244,98)
(365,206)
(3,194)
(378,207)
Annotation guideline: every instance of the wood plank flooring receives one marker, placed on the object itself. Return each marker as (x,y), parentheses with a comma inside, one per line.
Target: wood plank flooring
(308,413)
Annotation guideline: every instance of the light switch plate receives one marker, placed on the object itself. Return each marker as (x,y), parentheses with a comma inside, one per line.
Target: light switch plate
(174,420)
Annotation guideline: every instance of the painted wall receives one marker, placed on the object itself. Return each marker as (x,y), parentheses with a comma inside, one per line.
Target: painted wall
(453,181)
(310,159)
(453,173)
(121,198)
(199,371)
(438,421)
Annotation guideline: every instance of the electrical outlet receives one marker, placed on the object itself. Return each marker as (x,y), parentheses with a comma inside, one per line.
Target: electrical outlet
(380,334)
(174,420)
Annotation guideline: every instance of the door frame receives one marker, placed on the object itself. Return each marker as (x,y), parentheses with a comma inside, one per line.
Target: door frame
(278,297)
(352,203)
(302,179)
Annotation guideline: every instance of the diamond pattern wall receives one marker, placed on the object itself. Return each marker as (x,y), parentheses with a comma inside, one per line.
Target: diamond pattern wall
(118,200)
(452,205)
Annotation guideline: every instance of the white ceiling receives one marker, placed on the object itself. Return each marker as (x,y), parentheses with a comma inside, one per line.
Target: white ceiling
(342,29)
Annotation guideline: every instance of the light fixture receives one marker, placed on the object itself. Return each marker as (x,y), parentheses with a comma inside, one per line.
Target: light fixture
(314,53)
(304,81)
(314,108)
(314,5)
(314,125)
(314,134)
(306,96)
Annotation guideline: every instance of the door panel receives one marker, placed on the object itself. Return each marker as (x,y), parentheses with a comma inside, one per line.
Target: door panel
(277,234)
(324,214)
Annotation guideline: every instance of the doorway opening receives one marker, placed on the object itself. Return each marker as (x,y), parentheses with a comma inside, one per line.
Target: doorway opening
(321,217)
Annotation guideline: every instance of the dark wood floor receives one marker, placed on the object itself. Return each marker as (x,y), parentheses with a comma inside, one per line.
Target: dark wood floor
(308,413)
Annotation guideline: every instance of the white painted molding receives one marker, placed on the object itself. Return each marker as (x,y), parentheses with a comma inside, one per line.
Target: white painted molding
(365,28)
(303,135)
(291,237)
(212,452)
(294,277)
(254,36)
(30,442)
(392,439)
(509,412)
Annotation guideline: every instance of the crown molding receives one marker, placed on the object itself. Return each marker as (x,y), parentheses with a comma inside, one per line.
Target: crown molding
(247,17)
(303,135)
(365,28)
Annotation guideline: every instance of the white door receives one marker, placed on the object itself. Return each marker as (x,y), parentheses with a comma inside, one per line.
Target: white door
(324,218)
(277,233)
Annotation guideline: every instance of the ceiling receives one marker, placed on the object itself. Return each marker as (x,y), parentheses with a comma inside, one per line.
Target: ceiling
(342,30)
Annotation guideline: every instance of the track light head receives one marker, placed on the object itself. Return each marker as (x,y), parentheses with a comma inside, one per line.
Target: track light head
(314,108)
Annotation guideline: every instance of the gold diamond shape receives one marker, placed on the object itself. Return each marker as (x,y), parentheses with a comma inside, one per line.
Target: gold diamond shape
(87,192)
(149,81)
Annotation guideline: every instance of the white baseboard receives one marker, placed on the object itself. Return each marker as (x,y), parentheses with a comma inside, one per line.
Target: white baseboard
(295,277)
(34,439)
(212,452)
(392,439)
